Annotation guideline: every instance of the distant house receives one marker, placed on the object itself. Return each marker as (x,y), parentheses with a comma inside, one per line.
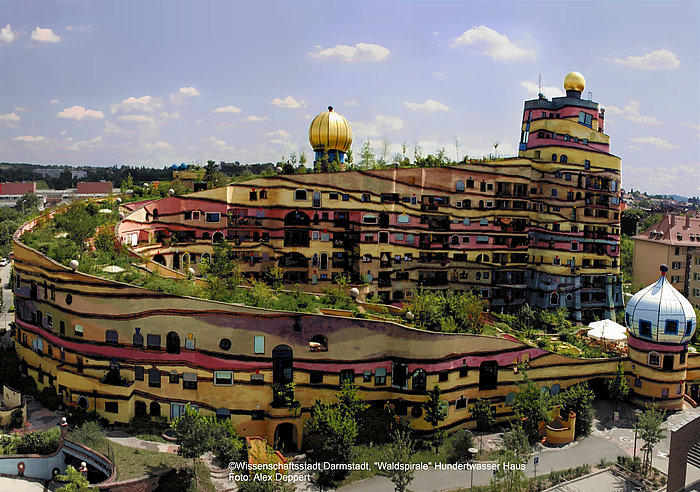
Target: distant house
(78,174)
(94,188)
(17,188)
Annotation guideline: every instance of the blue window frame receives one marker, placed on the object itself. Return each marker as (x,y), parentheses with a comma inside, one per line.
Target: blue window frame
(689,327)
(671,327)
(645,328)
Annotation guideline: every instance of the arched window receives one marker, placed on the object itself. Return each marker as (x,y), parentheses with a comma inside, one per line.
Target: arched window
(300,194)
(369,219)
(316,199)
(460,185)
(314,260)
(154,378)
(418,380)
(206,258)
(555,390)
(466,204)
(218,236)
(554,299)
(554,157)
(404,219)
(324,261)
(155,409)
(318,343)
(488,375)
(282,369)
(574,228)
(554,192)
(563,158)
(654,359)
(172,343)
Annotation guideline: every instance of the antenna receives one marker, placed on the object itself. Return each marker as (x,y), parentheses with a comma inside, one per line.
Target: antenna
(539,82)
(590,96)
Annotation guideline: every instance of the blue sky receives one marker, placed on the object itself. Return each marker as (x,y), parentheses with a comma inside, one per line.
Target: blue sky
(154,83)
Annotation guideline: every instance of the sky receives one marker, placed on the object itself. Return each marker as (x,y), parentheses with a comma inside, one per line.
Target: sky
(162,82)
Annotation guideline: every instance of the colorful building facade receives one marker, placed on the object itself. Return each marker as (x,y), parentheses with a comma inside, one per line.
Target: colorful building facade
(502,228)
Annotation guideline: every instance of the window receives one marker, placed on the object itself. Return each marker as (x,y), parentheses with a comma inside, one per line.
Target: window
(225,344)
(49,320)
(347,375)
(380,376)
(688,327)
(315,377)
(332,196)
(346,197)
(368,238)
(223,378)
(403,219)
(637,382)
(253,196)
(664,392)
(654,359)
(259,344)
(554,192)
(563,158)
(62,327)
(189,380)
(585,119)
(554,157)
(111,336)
(567,176)
(366,258)
(556,261)
(488,375)
(137,339)
(212,217)
(443,376)
(676,265)
(574,245)
(369,219)
(645,328)
(461,403)
(675,279)
(138,373)
(112,407)
(367,377)
(78,330)
(153,342)
(537,154)
(263,194)
(173,377)
(195,215)
(587,164)
(672,326)
(366,197)
(154,378)
(300,195)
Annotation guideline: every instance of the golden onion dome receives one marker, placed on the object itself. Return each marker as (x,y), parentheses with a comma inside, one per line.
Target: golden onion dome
(330,131)
(574,81)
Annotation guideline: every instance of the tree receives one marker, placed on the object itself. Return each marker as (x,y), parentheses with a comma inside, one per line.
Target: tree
(27,203)
(532,406)
(302,158)
(618,388)
(76,482)
(367,160)
(578,399)
(401,450)
(442,157)
(417,153)
(349,157)
(650,431)
(213,177)
(515,440)
(385,151)
(626,257)
(404,147)
(457,147)
(193,434)
(483,414)
(509,478)
(435,412)
(495,144)
(127,183)
(462,442)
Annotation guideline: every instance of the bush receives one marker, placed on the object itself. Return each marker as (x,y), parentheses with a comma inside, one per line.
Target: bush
(49,398)
(461,442)
(632,464)
(375,425)
(16,419)
(226,445)
(39,442)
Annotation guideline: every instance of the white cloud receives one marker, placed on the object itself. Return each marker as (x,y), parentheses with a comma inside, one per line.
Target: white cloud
(218,145)
(79,112)
(159,146)
(140,119)
(30,138)
(654,60)
(63,132)
(429,106)
(87,144)
(53,101)
(498,45)
(143,103)
(10,119)
(361,52)
(657,142)
(548,90)
(21,109)
(170,116)
(631,113)
(69,28)
(380,126)
(694,126)
(351,103)
(288,102)
(6,34)
(439,75)
(179,96)
(280,133)
(252,117)
(44,35)
(227,109)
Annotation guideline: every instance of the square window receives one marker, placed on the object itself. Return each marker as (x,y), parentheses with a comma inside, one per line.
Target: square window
(173,377)
(380,376)
(645,328)
(212,217)
(333,196)
(664,392)
(78,330)
(367,377)
(463,371)
(223,378)
(259,342)
(315,377)
(195,215)
(153,342)
(443,376)
(112,406)
(347,375)
(189,381)
(671,326)
(346,197)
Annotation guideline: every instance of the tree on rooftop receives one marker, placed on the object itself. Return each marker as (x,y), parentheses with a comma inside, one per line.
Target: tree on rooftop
(367,159)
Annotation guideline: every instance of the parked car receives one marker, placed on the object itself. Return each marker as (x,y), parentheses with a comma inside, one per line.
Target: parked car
(4,262)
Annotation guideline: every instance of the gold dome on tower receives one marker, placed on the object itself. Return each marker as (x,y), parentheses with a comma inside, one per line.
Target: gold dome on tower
(330,131)
(574,81)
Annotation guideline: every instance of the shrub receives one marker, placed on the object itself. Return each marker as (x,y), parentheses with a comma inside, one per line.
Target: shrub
(461,442)
(39,442)
(375,425)
(16,419)
(49,398)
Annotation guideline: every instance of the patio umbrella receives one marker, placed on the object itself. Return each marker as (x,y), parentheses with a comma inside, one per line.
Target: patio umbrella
(112,269)
(607,329)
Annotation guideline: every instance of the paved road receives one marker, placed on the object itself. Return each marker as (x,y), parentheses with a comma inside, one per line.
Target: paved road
(5,317)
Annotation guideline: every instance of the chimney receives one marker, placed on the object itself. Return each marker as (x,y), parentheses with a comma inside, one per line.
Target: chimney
(673,220)
(687,220)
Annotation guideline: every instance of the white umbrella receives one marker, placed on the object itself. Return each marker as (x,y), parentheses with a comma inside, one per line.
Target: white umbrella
(112,269)
(607,329)
(105,211)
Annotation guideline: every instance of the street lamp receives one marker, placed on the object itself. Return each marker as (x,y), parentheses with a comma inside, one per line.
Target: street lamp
(473,452)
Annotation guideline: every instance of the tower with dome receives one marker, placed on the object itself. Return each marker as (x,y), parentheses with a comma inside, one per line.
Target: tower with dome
(661,323)
(330,135)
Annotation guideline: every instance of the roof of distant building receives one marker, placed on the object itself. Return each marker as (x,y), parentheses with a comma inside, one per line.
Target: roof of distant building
(674,230)
(94,188)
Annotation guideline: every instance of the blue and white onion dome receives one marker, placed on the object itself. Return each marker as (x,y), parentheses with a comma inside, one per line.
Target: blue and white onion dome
(659,313)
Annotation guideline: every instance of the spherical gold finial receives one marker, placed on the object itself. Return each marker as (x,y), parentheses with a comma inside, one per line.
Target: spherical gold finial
(330,131)
(574,81)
